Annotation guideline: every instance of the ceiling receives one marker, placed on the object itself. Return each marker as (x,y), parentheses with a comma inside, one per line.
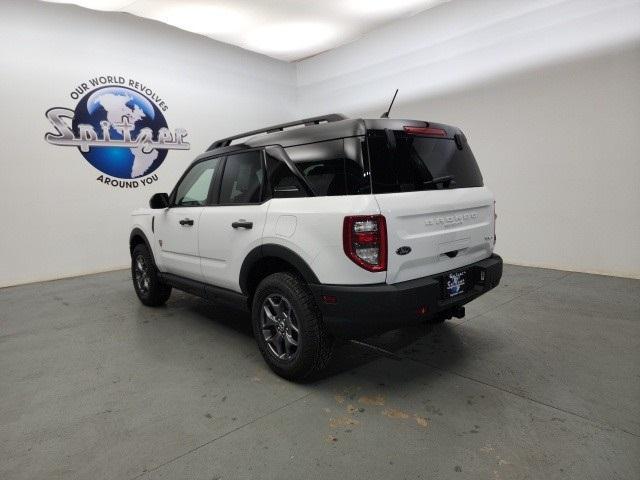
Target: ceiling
(284,29)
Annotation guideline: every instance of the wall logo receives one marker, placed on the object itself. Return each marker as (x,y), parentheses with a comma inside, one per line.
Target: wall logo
(119,127)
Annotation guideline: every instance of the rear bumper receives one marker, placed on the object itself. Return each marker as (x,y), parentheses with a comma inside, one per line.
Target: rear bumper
(362,310)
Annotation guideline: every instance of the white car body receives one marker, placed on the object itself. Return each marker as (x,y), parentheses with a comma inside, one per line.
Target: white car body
(384,222)
(431,223)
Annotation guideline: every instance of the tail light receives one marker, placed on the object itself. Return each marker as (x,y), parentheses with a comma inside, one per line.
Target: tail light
(365,241)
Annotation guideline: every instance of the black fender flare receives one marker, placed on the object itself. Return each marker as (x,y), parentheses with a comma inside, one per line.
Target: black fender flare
(275,251)
(137,232)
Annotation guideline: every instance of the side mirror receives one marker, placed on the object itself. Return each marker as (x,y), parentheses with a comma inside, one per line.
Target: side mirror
(286,191)
(159,200)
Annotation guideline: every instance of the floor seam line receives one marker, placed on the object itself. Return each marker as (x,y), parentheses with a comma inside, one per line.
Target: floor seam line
(524,397)
(209,442)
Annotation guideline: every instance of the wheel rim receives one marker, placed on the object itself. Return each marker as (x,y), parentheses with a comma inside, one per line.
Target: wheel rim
(279,326)
(141,272)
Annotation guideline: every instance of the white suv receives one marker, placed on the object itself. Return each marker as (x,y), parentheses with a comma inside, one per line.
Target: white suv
(324,228)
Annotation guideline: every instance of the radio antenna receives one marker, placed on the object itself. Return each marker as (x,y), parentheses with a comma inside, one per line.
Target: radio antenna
(386,114)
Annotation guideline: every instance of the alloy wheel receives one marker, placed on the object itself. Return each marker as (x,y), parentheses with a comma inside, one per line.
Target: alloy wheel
(141,272)
(279,326)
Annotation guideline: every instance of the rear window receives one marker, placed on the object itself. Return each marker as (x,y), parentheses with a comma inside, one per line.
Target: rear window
(419,163)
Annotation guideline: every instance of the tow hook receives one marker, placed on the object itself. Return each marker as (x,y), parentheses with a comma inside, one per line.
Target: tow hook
(458,312)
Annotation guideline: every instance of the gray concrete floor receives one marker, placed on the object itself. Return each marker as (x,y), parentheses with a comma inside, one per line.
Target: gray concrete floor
(540,380)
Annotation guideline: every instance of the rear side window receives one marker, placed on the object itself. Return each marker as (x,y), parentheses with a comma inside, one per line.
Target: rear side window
(282,180)
(328,170)
(419,163)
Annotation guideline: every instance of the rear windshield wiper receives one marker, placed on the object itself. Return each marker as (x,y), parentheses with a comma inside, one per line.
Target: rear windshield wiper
(446,181)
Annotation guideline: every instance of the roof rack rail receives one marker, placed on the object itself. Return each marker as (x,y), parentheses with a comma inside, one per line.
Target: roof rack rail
(331,117)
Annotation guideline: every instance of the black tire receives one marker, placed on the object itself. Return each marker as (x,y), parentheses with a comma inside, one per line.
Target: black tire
(150,289)
(314,344)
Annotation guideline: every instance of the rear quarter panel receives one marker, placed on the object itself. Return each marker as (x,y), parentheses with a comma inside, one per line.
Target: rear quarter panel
(312,228)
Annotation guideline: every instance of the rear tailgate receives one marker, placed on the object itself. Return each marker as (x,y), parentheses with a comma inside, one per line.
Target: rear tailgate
(429,188)
(443,230)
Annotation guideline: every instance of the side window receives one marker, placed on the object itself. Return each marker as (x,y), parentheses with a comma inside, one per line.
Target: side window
(193,190)
(327,169)
(242,179)
(282,180)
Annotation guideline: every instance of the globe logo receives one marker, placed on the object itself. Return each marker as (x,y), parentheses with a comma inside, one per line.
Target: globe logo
(120,106)
(118,130)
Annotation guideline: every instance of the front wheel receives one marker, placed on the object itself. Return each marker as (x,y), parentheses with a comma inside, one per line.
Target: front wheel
(288,327)
(146,281)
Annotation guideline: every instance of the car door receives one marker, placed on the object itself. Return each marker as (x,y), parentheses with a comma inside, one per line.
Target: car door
(233,225)
(177,226)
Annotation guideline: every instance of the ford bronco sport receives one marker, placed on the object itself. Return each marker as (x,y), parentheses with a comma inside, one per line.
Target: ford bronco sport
(324,228)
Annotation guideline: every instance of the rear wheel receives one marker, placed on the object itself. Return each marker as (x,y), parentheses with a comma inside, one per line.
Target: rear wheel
(146,281)
(288,327)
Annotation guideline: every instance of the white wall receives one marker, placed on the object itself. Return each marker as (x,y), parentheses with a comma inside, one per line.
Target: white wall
(56,219)
(548,95)
(547,92)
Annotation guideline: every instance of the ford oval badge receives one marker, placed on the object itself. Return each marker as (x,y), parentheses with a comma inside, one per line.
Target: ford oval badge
(403,250)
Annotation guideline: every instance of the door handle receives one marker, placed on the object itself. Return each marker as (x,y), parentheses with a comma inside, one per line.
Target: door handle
(186,221)
(242,224)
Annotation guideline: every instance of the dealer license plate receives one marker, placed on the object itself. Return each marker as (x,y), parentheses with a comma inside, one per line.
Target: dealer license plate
(455,283)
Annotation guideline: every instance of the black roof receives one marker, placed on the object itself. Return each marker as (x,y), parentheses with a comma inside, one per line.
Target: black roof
(316,129)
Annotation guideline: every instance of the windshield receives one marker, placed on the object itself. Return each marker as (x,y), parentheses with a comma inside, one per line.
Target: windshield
(419,163)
